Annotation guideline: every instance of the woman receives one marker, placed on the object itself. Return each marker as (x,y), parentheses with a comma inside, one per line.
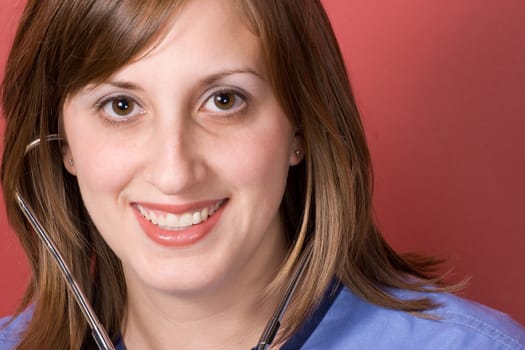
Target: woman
(205,150)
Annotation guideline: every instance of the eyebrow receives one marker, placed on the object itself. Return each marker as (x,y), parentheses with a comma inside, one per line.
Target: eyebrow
(122,85)
(126,85)
(218,76)
(118,84)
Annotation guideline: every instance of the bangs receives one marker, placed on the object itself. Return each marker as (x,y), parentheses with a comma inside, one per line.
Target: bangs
(99,37)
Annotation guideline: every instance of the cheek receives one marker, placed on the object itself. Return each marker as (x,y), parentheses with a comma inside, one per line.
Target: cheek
(100,167)
(260,157)
(102,162)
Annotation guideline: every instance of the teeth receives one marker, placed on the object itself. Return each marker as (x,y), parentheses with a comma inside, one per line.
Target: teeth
(196,218)
(172,221)
(186,220)
(153,218)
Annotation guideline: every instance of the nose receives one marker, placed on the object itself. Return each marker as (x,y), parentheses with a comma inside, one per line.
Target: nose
(176,163)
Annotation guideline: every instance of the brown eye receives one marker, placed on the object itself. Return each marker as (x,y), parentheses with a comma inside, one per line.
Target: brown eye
(225,100)
(120,109)
(224,103)
(122,106)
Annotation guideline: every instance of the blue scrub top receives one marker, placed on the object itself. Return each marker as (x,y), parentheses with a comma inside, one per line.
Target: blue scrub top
(344,321)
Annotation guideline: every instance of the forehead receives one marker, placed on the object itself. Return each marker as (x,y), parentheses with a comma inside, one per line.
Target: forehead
(204,34)
(131,35)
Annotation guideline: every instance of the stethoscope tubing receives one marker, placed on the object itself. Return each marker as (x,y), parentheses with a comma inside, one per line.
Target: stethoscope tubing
(98,332)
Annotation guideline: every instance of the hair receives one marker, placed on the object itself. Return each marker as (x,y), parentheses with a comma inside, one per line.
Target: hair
(62,46)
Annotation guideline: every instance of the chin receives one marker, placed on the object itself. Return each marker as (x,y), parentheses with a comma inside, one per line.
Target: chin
(185,279)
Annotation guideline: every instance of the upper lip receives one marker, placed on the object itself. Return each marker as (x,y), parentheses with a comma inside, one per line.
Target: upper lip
(179,208)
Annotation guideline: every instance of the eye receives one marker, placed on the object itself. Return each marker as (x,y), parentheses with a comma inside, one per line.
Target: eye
(120,108)
(224,101)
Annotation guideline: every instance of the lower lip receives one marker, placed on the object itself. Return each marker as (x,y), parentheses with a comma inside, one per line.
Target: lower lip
(179,238)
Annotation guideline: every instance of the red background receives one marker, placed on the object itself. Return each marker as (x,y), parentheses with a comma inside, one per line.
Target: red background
(441,86)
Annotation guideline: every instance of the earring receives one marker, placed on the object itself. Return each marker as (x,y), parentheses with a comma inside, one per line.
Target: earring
(71,162)
(298,153)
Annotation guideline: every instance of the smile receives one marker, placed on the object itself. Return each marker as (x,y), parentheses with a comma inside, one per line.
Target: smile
(173,222)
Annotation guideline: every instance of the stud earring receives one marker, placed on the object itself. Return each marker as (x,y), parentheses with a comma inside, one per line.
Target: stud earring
(71,162)
(298,153)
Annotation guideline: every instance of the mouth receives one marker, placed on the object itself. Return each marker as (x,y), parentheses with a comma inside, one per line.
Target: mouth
(175,222)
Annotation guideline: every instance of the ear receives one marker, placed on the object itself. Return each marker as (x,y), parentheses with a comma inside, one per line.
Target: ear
(67,159)
(297,151)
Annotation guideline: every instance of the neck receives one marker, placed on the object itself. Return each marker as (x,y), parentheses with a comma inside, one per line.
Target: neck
(235,325)
(232,317)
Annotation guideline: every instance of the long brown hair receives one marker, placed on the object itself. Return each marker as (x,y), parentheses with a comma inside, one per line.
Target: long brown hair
(61,46)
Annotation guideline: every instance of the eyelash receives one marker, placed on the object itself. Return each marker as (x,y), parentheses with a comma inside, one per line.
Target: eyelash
(239,96)
(116,121)
(123,120)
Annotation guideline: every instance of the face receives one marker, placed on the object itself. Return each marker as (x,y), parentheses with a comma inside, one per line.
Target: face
(182,157)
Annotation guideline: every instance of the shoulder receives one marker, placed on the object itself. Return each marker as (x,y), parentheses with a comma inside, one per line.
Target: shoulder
(459,324)
(12,328)
(479,322)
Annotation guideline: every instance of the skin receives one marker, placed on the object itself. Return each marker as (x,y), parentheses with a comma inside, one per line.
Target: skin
(174,145)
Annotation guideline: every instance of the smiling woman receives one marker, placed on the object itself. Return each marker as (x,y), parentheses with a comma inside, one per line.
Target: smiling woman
(208,171)
(192,126)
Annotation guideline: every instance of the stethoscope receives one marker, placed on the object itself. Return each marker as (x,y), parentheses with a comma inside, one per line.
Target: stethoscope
(98,332)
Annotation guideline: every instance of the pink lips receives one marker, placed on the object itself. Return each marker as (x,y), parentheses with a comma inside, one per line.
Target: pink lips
(180,237)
